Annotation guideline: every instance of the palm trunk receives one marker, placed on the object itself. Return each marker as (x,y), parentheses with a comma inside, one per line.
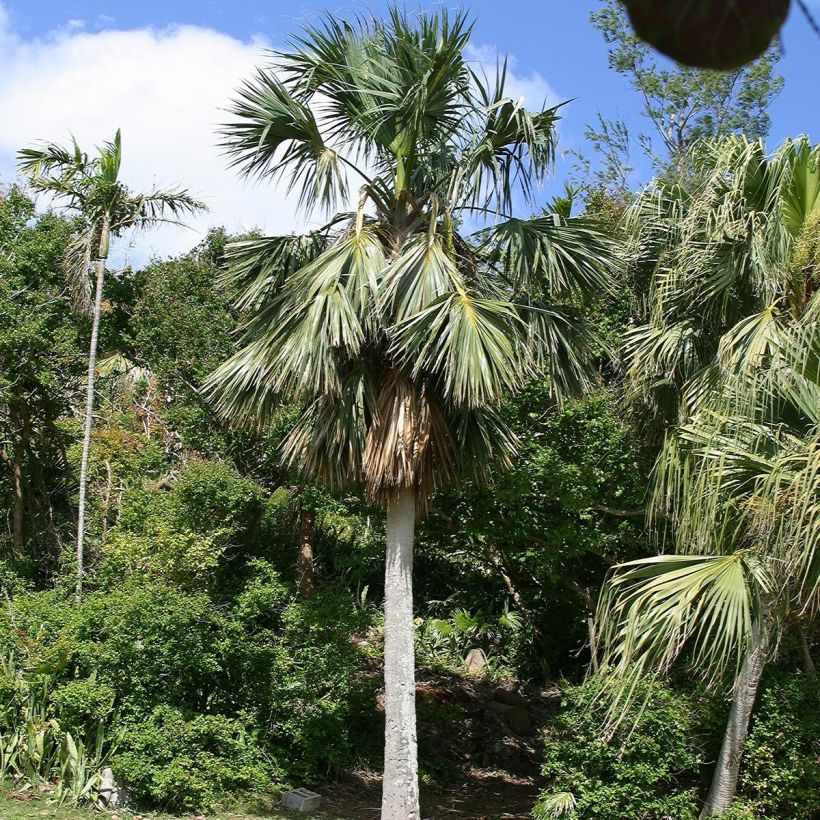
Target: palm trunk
(400,788)
(89,411)
(304,570)
(724,780)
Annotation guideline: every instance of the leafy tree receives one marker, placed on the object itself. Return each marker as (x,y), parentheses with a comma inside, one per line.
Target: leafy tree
(687,104)
(40,345)
(727,254)
(540,536)
(399,335)
(735,332)
(91,189)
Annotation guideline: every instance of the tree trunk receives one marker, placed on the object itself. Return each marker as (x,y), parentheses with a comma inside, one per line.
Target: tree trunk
(18,483)
(89,416)
(805,647)
(724,779)
(400,788)
(304,570)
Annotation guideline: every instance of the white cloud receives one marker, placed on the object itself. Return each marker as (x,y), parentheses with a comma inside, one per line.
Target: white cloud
(165,89)
(532,87)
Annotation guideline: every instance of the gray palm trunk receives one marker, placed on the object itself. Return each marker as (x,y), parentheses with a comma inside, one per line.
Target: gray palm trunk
(724,780)
(400,789)
(89,407)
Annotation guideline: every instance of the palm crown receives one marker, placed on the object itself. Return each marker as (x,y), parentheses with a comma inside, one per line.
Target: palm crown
(90,187)
(722,249)
(399,333)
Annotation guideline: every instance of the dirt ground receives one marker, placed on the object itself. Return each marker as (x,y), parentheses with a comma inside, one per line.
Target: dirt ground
(488,732)
(484,795)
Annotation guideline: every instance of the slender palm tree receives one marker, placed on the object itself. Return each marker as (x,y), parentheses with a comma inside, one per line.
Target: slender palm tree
(90,187)
(735,338)
(396,333)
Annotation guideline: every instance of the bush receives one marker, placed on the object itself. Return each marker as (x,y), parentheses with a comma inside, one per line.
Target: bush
(154,659)
(82,705)
(780,776)
(647,771)
(190,765)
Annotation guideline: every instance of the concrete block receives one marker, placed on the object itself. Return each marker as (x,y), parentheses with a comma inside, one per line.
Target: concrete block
(301,800)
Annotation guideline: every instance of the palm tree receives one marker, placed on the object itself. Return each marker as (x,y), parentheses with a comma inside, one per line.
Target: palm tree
(90,187)
(720,250)
(397,334)
(735,335)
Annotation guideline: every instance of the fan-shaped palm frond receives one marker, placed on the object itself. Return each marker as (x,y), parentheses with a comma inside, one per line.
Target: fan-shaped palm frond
(552,256)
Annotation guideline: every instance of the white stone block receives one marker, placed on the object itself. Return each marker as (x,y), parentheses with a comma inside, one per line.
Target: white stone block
(301,800)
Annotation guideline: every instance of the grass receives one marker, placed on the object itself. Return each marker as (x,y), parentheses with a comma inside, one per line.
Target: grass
(38,807)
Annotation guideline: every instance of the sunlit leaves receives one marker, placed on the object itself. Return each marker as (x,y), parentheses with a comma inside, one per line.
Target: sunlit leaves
(552,256)
(90,186)
(274,133)
(470,343)
(654,607)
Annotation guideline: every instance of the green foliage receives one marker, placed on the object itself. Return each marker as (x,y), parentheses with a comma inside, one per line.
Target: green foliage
(685,104)
(211,697)
(647,769)
(572,504)
(40,357)
(184,764)
(445,642)
(83,704)
(780,775)
(37,750)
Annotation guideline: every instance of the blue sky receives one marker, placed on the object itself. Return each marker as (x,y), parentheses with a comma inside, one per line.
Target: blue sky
(156,67)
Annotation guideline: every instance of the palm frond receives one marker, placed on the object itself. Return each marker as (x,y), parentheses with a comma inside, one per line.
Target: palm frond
(512,145)
(274,133)
(470,344)
(552,256)
(257,268)
(654,608)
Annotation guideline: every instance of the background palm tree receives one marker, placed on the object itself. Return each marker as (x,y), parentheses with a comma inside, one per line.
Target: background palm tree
(734,336)
(89,186)
(397,334)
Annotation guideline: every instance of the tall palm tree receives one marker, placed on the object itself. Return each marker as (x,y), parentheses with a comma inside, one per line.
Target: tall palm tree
(90,187)
(398,334)
(735,337)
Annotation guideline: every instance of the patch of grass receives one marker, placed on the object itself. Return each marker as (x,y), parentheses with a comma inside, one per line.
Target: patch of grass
(14,806)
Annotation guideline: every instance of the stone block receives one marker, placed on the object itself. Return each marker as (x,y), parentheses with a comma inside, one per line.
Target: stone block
(301,800)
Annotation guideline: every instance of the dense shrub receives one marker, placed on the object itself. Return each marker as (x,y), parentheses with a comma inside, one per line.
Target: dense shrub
(212,697)
(647,771)
(190,765)
(780,776)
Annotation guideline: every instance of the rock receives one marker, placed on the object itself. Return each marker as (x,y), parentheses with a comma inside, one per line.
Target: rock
(517,718)
(510,697)
(476,660)
(301,800)
(109,789)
